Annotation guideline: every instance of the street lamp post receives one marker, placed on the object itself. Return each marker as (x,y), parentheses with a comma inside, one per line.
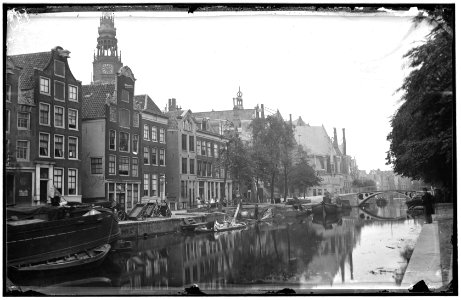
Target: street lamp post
(162,182)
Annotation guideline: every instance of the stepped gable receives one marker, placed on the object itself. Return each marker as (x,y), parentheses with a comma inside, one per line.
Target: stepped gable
(95,98)
(28,62)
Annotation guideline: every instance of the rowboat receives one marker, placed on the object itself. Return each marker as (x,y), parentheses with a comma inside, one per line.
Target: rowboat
(220,227)
(92,257)
(189,225)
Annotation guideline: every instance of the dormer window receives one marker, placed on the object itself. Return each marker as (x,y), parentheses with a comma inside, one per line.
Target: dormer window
(59,68)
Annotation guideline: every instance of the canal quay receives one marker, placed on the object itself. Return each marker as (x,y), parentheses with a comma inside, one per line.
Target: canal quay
(374,249)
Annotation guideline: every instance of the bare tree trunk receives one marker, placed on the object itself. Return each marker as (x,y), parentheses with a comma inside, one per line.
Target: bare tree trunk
(285,173)
(272,187)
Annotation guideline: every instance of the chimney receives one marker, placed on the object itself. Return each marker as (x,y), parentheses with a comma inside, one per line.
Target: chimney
(291,123)
(257,111)
(262,111)
(335,140)
(172,104)
(344,141)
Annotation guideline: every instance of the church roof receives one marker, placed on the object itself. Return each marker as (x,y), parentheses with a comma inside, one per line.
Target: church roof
(315,139)
(95,97)
(28,62)
(242,114)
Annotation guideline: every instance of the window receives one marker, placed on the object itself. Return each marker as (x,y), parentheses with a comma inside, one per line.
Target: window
(112,163)
(73,147)
(134,167)
(59,68)
(199,148)
(8,93)
(208,169)
(146,185)
(72,119)
(73,92)
(59,90)
(44,144)
(146,155)
(204,164)
(58,175)
(125,96)
(59,146)
(136,119)
(199,167)
(154,133)
(208,147)
(22,150)
(44,86)
(191,143)
(113,114)
(184,142)
(162,135)
(124,116)
(154,156)
(192,166)
(153,191)
(124,166)
(146,132)
(135,143)
(203,148)
(162,157)
(59,116)
(23,120)
(7,120)
(96,165)
(72,186)
(111,191)
(215,148)
(183,189)
(124,142)
(44,114)
(112,139)
(184,166)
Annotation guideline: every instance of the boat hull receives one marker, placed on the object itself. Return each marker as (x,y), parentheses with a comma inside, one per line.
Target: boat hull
(325,209)
(33,242)
(90,258)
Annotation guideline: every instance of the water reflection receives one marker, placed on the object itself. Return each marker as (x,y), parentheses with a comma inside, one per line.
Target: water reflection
(364,245)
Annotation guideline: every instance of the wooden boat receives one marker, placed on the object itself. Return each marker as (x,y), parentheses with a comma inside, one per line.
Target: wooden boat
(220,227)
(82,259)
(325,209)
(43,233)
(189,225)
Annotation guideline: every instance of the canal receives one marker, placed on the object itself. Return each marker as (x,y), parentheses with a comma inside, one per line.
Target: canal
(361,249)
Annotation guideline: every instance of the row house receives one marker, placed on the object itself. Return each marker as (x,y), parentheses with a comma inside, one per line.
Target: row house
(190,172)
(154,125)
(43,129)
(111,142)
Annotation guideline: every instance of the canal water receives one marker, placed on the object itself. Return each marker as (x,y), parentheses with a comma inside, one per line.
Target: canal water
(365,248)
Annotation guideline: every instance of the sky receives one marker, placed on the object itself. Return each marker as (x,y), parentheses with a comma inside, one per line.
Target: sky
(335,70)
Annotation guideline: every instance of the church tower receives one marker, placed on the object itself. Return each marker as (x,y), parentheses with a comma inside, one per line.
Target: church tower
(107,60)
(238,102)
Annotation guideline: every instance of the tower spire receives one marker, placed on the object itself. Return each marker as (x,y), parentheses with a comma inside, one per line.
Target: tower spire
(106,59)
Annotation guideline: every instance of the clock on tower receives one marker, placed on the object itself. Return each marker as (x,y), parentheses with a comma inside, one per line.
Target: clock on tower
(107,69)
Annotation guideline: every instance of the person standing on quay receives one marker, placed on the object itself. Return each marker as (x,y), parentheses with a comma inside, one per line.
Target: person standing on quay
(428,202)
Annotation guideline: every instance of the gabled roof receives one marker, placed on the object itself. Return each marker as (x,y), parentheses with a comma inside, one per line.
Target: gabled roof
(315,139)
(95,97)
(242,114)
(28,62)
(147,104)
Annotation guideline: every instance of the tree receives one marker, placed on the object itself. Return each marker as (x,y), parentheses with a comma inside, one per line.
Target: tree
(273,141)
(235,159)
(421,140)
(302,175)
(367,183)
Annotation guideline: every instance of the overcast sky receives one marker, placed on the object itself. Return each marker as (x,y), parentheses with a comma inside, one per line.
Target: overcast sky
(337,70)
